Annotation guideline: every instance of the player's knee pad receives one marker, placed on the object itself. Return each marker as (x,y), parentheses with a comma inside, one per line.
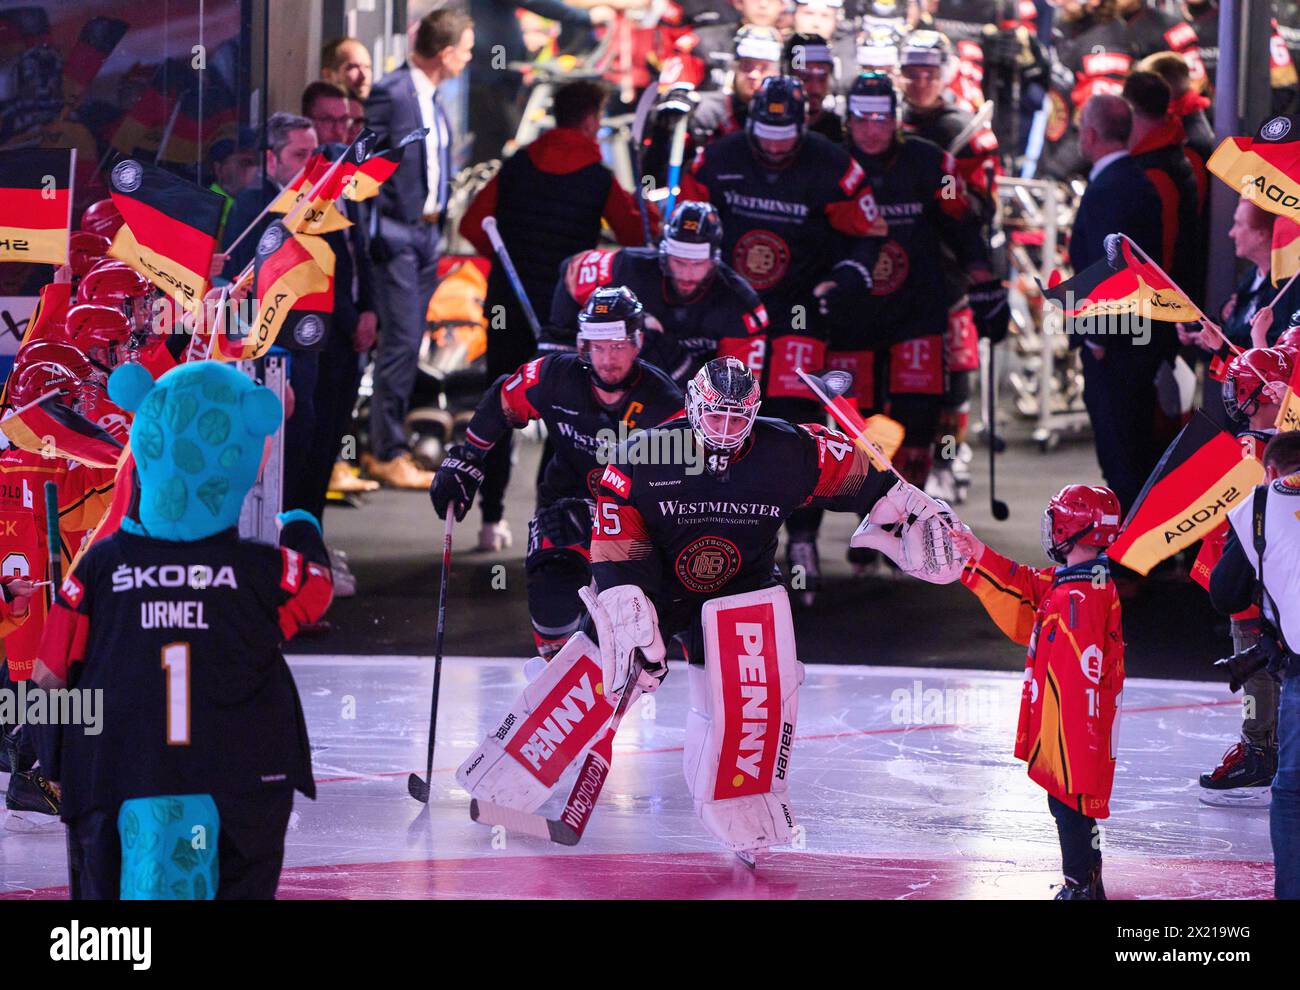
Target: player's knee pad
(555,576)
(552,723)
(741,724)
(151,830)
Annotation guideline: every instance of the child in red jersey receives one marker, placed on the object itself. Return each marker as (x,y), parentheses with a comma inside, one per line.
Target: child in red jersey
(1069,617)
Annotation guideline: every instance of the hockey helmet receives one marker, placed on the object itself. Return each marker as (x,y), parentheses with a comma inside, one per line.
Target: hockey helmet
(85,250)
(777,117)
(114,283)
(612,313)
(693,234)
(103,333)
(763,44)
(803,50)
(1079,515)
(927,48)
(1289,339)
(45,365)
(1258,375)
(878,49)
(722,403)
(102,217)
(873,96)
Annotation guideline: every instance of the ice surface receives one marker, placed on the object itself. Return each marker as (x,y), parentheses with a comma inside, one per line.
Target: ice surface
(902,781)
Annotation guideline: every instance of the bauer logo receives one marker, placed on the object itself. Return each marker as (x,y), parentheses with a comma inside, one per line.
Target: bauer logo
(563,723)
(751,691)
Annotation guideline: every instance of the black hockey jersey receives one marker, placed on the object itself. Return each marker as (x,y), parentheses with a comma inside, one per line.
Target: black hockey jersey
(723,319)
(183,640)
(1092,56)
(683,535)
(557,389)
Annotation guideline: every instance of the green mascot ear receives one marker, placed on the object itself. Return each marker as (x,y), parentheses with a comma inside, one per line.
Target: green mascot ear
(262,411)
(129,385)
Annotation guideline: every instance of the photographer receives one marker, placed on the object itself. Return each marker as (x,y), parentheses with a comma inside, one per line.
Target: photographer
(1268,527)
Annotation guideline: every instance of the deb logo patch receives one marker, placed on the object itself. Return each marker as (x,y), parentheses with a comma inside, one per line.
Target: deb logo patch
(72,590)
(616,481)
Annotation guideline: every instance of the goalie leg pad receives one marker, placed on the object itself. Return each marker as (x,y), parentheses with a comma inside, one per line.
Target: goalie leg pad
(552,724)
(744,709)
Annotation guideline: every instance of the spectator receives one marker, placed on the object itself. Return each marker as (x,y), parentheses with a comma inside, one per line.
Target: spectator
(549,199)
(1234,585)
(411,207)
(1254,315)
(234,169)
(346,62)
(290,140)
(1156,146)
(494,86)
(325,104)
(1119,368)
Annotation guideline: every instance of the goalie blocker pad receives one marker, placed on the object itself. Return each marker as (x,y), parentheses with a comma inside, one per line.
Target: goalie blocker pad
(740,729)
(555,720)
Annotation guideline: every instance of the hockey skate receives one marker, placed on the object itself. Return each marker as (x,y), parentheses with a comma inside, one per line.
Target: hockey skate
(32,803)
(1242,779)
(495,537)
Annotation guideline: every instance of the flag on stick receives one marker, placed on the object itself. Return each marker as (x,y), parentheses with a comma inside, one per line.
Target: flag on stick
(50,428)
(36,204)
(1122,284)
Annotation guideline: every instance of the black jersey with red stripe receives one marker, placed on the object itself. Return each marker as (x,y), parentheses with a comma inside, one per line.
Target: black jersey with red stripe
(557,389)
(183,640)
(688,529)
(722,319)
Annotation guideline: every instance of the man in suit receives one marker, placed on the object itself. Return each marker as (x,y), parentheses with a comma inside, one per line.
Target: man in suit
(1120,355)
(411,207)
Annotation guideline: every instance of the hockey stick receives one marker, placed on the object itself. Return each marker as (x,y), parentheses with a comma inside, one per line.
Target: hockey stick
(977,123)
(419,789)
(568,828)
(636,137)
(997,507)
(53,543)
(512,276)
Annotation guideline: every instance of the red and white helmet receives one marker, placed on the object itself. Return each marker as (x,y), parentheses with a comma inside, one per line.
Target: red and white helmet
(85,251)
(1256,376)
(1079,515)
(722,403)
(113,283)
(45,365)
(103,333)
(102,217)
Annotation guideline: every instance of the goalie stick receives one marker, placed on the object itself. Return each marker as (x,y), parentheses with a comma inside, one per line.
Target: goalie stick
(568,828)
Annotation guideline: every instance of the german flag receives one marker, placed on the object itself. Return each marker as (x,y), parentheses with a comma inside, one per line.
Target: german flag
(1122,284)
(362,180)
(1264,169)
(98,37)
(882,434)
(1286,250)
(1199,478)
(284,271)
(309,318)
(50,428)
(36,205)
(321,186)
(170,229)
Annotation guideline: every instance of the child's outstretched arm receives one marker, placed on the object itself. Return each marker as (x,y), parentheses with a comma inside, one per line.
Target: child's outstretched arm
(1010,592)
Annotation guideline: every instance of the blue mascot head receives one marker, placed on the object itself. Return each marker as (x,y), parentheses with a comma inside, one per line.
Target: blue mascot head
(197,438)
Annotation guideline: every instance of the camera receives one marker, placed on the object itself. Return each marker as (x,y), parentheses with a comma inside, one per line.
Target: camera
(1265,654)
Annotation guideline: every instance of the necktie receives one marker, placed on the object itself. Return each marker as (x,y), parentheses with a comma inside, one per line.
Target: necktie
(443,134)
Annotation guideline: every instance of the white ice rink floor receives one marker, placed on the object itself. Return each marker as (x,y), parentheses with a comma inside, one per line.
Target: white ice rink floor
(902,781)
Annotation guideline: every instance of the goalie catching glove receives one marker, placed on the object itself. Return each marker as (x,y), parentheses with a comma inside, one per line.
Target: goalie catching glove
(915,532)
(626,622)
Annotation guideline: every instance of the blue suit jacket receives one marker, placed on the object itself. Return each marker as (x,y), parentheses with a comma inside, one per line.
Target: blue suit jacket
(392,112)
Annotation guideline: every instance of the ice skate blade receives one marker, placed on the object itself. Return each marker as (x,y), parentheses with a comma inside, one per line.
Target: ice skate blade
(748,858)
(1238,797)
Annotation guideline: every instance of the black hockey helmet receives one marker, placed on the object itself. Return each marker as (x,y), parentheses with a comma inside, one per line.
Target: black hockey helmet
(872,95)
(925,47)
(693,232)
(722,403)
(612,312)
(757,42)
(777,113)
(805,49)
(878,49)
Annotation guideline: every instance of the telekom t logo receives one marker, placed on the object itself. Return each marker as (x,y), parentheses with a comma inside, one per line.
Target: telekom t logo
(917,354)
(800,352)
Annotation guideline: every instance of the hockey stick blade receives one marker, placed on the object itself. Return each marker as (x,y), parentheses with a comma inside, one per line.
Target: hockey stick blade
(418,788)
(523,822)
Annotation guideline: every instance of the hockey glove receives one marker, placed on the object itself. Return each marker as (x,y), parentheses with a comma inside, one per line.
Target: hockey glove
(457,480)
(626,626)
(989,306)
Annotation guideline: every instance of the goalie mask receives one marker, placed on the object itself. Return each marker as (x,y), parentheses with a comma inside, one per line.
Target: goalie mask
(722,403)
(1079,515)
(613,316)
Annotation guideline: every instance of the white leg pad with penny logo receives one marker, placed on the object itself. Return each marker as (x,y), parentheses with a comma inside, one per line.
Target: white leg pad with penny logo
(554,722)
(740,729)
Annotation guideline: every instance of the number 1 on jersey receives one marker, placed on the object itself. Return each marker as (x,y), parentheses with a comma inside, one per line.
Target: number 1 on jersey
(176,662)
